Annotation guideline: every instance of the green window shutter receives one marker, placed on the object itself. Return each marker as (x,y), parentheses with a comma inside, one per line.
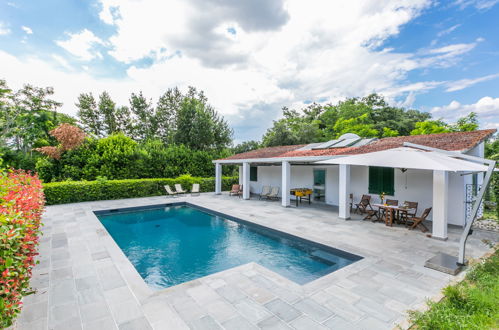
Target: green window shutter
(388,181)
(375,180)
(253,173)
(381,179)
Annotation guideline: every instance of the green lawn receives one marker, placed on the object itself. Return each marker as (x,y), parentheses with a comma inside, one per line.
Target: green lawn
(471,304)
(490,214)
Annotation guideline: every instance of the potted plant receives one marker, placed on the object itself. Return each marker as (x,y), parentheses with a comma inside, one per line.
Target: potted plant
(382,197)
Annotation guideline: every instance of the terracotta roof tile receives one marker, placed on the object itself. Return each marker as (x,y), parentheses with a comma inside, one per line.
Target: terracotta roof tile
(447,141)
(266,152)
(456,141)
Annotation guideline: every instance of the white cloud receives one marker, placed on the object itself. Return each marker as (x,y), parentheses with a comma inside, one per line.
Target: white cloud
(68,84)
(445,56)
(26,29)
(478,4)
(4,30)
(283,52)
(448,30)
(487,109)
(82,45)
(465,83)
(452,50)
(62,61)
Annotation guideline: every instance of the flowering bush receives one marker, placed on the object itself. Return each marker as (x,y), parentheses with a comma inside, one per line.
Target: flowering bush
(21,207)
(69,137)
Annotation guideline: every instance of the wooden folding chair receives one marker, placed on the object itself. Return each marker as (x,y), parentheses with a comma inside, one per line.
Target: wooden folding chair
(364,203)
(412,210)
(414,222)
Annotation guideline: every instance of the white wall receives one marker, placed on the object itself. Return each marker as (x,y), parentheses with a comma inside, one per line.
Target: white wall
(301,177)
(478,150)
(413,185)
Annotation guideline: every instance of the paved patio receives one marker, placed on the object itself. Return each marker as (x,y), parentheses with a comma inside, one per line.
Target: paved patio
(85,281)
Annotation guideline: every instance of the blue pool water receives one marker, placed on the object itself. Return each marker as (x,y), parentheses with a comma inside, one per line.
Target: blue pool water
(175,244)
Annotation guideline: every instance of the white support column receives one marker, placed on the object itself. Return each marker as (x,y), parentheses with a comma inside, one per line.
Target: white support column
(440,204)
(344,192)
(218,178)
(240,175)
(286,184)
(246,181)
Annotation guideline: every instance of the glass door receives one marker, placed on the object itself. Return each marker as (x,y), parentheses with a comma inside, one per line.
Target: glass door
(319,184)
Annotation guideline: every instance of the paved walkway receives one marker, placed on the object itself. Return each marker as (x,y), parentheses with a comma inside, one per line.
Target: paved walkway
(85,281)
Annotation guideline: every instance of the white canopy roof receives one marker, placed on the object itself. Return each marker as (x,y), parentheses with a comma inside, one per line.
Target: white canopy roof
(409,158)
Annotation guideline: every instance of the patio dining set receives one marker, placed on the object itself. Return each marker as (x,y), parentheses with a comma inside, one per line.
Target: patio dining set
(390,212)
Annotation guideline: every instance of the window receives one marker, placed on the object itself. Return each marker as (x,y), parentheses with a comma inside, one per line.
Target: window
(253,173)
(381,179)
(319,184)
(319,177)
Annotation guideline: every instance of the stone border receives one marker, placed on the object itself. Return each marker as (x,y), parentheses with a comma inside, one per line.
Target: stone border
(487,224)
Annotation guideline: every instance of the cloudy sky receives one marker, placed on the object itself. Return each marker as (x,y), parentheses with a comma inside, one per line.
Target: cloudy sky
(252,57)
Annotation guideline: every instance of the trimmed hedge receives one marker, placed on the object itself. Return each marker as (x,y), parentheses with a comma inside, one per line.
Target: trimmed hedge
(83,191)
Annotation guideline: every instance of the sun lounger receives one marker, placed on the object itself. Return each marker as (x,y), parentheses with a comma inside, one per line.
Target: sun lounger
(195,189)
(274,193)
(169,191)
(265,192)
(179,190)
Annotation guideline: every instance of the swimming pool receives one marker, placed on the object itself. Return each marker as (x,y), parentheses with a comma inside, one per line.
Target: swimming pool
(174,243)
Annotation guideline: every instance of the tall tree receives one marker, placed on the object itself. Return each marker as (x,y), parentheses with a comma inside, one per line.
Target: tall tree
(26,118)
(198,126)
(107,110)
(466,123)
(177,118)
(166,113)
(246,146)
(89,114)
(430,127)
(188,119)
(361,126)
(296,127)
(124,121)
(368,116)
(143,110)
(7,112)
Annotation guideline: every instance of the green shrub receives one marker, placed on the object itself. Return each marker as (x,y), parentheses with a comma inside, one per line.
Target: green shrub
(102,189)
(118,157)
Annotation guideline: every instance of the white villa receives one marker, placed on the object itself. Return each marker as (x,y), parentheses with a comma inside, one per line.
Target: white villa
(449,193)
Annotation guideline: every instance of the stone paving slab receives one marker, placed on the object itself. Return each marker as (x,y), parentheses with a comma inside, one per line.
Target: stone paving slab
(84,280)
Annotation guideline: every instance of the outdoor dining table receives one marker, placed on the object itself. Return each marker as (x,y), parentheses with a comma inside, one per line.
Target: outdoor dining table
(392,209)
